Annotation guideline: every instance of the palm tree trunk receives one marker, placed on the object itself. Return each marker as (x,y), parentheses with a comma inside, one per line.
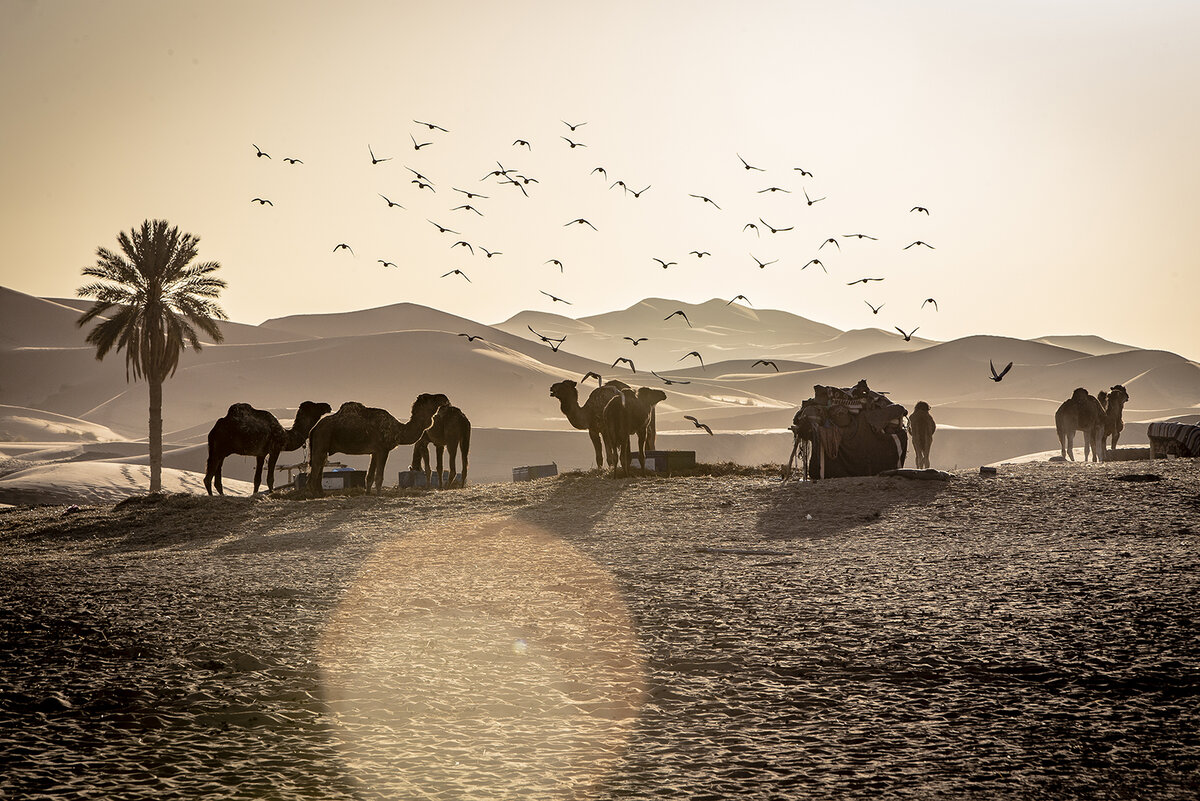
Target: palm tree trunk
(156,449)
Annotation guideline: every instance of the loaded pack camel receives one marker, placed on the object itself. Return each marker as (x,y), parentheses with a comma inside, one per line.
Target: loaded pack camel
(629,413)
(358,429)
(1082,412)
(449,430)
(247,431)
(1113,402)
(920,429)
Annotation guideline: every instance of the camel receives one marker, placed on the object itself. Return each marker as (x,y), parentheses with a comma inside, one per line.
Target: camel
(359,429)
(629,413)
(1113,402)
(921,428)
(247,431)
(449,430)
(587,417)
(1082,412)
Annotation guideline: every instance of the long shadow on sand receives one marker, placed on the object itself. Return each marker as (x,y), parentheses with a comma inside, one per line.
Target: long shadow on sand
(813,509)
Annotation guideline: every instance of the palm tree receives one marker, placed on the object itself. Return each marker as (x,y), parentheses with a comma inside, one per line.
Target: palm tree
(161,299)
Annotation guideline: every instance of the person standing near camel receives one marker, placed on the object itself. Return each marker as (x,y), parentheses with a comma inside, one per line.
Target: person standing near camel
(921,428)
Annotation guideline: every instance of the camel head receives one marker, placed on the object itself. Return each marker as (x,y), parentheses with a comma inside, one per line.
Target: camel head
(921,406)
(650,396)
(1079,394)
(311,411)
(565,390)
(426,404)
(1118,394)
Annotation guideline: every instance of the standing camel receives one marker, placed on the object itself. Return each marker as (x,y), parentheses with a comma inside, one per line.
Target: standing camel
(630,413)
(921,428)
(247,431)
(358,429)
(589,416)
(1082,412)
(449,430)
(1113,402)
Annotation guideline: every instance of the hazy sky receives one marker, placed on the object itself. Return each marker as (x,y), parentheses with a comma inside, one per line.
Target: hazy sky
(1054,144)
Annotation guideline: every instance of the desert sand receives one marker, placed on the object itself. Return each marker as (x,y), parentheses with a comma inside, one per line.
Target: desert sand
(1032,635)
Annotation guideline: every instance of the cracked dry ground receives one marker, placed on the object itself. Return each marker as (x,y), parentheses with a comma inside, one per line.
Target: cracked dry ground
(1034,635)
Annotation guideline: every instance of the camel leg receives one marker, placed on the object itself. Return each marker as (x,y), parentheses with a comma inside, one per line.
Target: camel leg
(213,471)
(316,466)
(1068,441)
(1115,436)
(465,445)
(258,466)
(642,451)
(272,458)
(595,435)
(378,467)
(440,449)
(452,449)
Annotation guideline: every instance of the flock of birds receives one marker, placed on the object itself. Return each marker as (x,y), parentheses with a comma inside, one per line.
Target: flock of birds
(513,181)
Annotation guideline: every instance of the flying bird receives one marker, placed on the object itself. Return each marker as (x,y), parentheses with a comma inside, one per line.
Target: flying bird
(638,193)
(441,228)
(875,309)
(755,227)
(292,161)
(635,341)
(389,201)
(930,300)
(466,245)
(831,241)
(457,272)
(386,263)
(698,424)
(762,264)
(556,299)
(699,254)
(580,221)
(860,236)
(472,338)
(620,184)
(431,126)
(422,185)
(573,127)
(748,166)
(259,152)
(522,143)
(470,195)
(765,363)
(416,145)
(591,374)
(803,172)
(527,180)
(341,245)
(739,297)
(627,361)
(817,262)
(809,200)
(681,314)
(666,264)
(603,172)
(374,159)
(997,377)
(909,335)
(705,199)
(261,201)
(574,144)
(518,185)
(668,381)
(553,343)
(468,207)
(774,230)
(490,253)
(692,353)
(919,242)
(418,175)
(863,281)
(775,189)
(919,208)
(555,262)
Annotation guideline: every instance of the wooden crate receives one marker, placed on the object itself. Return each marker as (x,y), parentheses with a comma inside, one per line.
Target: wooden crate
(668,461)
(337,479)
(530,472)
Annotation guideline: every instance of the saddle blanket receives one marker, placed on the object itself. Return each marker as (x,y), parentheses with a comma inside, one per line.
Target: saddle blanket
(1188,436)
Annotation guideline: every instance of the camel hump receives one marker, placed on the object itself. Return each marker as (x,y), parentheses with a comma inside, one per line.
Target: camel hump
(352,407)
(240,410)
(1080,393)
(616,384)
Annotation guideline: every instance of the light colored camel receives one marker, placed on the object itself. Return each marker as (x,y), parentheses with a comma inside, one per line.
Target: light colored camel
(627,414)
(1113,402)
(921,428)
(1082,412)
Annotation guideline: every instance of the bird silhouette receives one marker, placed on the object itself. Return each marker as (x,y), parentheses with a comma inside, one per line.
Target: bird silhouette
(909,335)
(765,363)
(591,374)
(762,264)
(556,262)
(457,272)
(518,185)
(441,228)
(668,381)
(386,263)
(522,143)
(774,230)
(261,201)
(997,377)
(809,200)
(635,341)
(681,314)
(572,127)
(468,207)
(292,161)
(490,253)
(638,193)
(342,245)
(803,172)
(620,184)
(863,281)
(666,264)
(375,159)
(831,241)
(466,245)
(603,172)
(755,227)
(705,199)
(919,242)
(860,236)
(692,353)
(875,309)
(418,175)
(574,144)
(472,338)
(259,152)
(817,262)
(431,126)
(699,254)
(919,208)
(775,189)
(580,221)
(553,343)
(747,165)
(422,185)
(739,297)
(556,299)
(527,180)
(627,361)
(470,195)
(698,424)
(390,202)
(930,300)
(416,145)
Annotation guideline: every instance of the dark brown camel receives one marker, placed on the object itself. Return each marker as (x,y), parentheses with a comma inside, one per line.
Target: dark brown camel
(247,431)
(449,430)
(626,414)
(1113,402)
(358,429)
(1082,412)
(921,428)
(589,416)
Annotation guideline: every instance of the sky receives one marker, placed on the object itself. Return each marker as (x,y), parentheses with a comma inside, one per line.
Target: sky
(1052,142)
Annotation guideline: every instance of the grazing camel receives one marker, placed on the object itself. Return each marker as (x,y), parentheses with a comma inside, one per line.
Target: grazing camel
(247,431)
(586,417)
(630,413)
(359,429)
(449,430)
(921,428)
(1113,402)
(1082,412)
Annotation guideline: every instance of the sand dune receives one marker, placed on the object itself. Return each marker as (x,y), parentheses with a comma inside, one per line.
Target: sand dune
(21,424)
(98,482)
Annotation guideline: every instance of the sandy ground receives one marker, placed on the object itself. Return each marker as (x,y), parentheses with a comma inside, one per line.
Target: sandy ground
(1031,635)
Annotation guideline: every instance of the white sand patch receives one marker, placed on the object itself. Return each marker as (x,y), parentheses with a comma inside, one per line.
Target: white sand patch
(20,424)
(99,483)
